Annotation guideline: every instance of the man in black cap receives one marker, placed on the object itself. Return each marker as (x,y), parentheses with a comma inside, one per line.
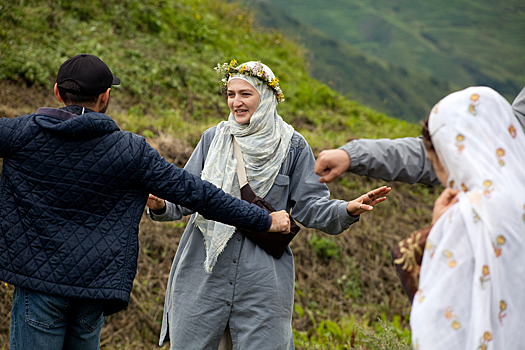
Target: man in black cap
(72,193)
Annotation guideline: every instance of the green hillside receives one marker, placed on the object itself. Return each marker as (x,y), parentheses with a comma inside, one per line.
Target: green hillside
(399,92)
(464,42)
(164,52)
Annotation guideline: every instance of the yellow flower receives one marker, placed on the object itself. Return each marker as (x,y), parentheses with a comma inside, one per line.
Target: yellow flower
(487,183)
(485,270)
(500,240)
(456,325)
(487,336)
(502,305)
(474,97)
(460,138)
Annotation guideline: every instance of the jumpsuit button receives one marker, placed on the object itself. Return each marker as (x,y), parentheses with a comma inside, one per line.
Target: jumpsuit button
(231,282)
(228,303)
(234,261)
(239,239)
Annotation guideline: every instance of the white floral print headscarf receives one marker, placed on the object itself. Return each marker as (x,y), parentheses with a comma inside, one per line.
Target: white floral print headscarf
(264,142)
(472,280)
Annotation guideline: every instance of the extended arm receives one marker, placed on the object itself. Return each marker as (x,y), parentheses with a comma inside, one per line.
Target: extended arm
(179,186)
(310,200)
(401,159)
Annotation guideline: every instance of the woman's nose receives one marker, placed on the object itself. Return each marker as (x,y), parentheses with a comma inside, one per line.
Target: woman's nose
(237,101)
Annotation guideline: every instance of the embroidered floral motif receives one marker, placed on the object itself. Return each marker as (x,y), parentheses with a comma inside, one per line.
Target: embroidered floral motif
(500,152)
(488,188)
(451,184)
(484,340)
(474,102)
(451,316)
(512,131)
(409,255)
(500,241)
(419,296)
(430,247)
(502,309)
(449,257)
(459,143)
(464,187)
(484,276)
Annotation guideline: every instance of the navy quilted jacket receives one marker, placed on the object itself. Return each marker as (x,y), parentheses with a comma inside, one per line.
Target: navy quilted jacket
(72,193)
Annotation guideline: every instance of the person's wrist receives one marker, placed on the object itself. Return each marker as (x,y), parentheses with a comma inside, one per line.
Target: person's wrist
(160,211)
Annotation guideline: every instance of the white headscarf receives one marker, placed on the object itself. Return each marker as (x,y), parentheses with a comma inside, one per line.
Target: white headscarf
(264,142)
(472,279)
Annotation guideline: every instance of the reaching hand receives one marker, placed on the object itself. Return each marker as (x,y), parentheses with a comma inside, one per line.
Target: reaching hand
(280,222)
(155,203)
(331,164)
(367,201)
(444,201)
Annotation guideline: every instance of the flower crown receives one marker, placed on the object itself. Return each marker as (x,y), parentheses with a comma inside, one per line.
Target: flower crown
(256,71)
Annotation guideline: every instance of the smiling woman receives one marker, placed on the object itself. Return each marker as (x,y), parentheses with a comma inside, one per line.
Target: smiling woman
(228,292)
(243,100)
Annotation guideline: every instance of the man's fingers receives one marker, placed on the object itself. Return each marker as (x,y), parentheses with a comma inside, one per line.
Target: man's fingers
(280,222)
(331,176)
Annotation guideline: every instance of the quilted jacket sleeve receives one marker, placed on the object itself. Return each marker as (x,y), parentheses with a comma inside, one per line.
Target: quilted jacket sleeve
(7,127)
(194,165)
(181,187)
(401,159)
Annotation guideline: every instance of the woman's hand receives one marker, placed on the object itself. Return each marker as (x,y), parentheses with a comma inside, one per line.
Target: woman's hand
(155,203)
(445,200)
(367,201)
(280,222)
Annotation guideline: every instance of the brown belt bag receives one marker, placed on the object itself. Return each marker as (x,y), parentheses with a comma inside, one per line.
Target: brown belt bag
(273,243)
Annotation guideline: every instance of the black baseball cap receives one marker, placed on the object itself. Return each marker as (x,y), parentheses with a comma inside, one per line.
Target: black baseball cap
(89,72)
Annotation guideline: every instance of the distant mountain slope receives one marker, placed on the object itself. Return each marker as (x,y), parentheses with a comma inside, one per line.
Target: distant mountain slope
(465,42)
(394,90)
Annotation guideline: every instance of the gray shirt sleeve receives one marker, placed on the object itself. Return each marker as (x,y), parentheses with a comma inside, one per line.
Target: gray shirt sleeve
(401,159)
(311,204)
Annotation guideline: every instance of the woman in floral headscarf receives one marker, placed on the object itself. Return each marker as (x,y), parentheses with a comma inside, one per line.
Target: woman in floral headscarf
(472,280)
(223,288)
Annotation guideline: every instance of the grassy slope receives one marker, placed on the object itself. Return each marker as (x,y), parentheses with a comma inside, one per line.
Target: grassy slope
(465,42)
(164,52)
(396,91)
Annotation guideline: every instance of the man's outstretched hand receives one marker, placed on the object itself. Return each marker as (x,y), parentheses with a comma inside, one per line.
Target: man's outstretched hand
(280,222)
(331,164)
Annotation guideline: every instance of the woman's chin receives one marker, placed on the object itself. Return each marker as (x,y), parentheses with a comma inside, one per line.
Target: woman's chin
(244,119)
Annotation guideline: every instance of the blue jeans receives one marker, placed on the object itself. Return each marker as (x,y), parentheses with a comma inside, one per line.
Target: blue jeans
(48,322)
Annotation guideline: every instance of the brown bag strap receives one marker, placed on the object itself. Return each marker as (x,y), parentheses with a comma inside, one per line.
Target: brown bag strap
(241,171)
